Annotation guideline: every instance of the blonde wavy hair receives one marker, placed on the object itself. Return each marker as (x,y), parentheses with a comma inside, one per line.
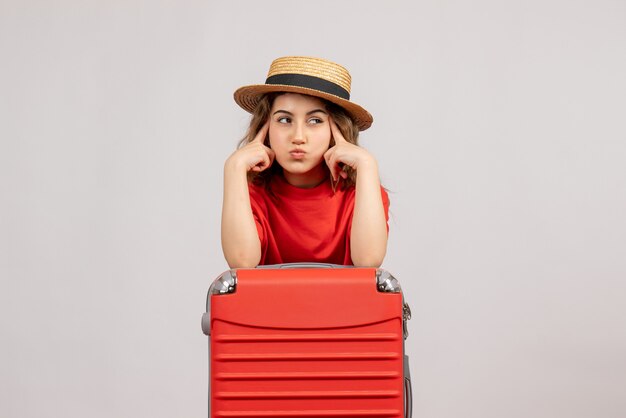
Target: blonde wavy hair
(346,125)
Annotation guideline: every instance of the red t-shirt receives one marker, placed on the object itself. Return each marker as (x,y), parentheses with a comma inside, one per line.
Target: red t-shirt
(305,225)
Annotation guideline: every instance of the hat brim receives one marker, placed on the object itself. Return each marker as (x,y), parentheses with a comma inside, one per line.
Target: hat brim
(248,97)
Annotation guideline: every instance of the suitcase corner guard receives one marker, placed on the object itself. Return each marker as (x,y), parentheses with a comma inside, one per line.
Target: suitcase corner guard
(225,283)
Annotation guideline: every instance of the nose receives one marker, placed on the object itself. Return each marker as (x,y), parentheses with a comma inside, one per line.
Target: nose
(298,135)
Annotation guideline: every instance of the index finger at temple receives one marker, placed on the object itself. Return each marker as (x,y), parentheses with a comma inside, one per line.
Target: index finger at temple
(260,136)
(336,132)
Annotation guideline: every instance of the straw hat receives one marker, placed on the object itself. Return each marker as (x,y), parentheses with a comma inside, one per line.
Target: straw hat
(306,75)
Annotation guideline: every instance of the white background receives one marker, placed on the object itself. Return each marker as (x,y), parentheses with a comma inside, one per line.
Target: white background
(500,131)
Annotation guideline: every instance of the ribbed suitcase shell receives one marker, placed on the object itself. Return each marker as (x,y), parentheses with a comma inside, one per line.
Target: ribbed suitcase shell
(306,343)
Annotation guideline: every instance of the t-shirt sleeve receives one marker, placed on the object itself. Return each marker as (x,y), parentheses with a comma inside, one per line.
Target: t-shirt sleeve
(385,197)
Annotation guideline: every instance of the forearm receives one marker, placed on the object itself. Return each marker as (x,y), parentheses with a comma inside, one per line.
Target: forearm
(368,236)
(240,239)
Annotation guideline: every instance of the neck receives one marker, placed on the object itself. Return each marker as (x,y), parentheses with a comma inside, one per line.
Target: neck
(309,179)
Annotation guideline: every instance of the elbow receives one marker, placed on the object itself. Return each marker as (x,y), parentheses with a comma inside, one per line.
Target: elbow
(241,253)
(242,264)
(242,260)
(368,263)
(368,260)
(368,255)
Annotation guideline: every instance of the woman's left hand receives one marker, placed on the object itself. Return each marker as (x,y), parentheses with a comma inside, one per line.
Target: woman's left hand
(344,153)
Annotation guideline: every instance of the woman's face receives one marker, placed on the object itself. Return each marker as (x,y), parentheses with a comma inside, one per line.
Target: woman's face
(299,134)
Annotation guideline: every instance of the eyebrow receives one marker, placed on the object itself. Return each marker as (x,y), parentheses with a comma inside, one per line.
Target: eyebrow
(308,113)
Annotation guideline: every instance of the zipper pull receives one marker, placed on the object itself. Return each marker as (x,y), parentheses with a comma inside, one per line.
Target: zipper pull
(406,315)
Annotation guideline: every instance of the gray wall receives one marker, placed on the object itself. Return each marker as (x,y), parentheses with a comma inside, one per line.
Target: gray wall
(499,130)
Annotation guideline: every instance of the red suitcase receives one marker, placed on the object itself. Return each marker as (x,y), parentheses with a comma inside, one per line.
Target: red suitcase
(307,340)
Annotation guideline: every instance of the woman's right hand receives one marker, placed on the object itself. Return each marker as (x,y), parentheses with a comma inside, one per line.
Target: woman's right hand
(240,238)
(254,156)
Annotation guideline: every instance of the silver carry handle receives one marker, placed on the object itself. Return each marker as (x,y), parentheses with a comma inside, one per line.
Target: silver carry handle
(303,266)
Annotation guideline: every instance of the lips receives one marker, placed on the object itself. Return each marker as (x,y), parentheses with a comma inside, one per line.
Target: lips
(297,153)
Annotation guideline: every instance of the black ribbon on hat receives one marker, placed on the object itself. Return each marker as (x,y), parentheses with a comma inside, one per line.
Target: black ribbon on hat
(311,82)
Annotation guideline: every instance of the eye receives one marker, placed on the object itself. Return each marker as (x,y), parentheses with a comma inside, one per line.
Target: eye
(316,121)
(283,119)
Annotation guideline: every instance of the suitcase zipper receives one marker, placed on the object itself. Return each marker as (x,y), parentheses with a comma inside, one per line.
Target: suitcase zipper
(406,315)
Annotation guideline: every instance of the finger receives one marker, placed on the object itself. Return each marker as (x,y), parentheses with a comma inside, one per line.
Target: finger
(339,170)
(270,157)
(264,161)
(271,154)
(260,136)
(327,157)
(334,166)
(336,132)
(328,154)
(260,166)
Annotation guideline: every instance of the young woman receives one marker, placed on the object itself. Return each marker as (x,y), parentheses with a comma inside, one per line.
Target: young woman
(299,188)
